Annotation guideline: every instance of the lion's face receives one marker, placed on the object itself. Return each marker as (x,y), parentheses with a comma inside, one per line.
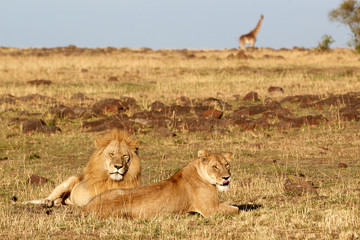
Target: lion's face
(117,158)
(216,169)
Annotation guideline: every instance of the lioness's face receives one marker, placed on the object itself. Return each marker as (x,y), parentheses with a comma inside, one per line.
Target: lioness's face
(117,157)
(217,169)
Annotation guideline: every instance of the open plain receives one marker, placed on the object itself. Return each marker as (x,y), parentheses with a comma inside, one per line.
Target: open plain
(290,116)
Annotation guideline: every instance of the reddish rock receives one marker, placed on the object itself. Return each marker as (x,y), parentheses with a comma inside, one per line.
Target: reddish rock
(37,180)
(272,104)
(39,82)
(251,96)
(351,98)
(202,125)
(350,113)
(275,89)
(252,124)
(79,96)
(113,79)
(241,54)
(297,186)
(190,56)
(62,111)
(12,135)
(38,125)
(230,56)
(36,98)
(157,106)
(120,121)
(176,111)
(214,102)
(240,113)
(107,106)
(342,165)
(237,97)
(254,110)
(302,99)
(162,132)
(128,102)
(318,107)
(7,98)
(212,114)
(183,101)
(288,122)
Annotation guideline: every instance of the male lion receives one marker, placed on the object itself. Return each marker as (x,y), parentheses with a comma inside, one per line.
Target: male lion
(191,189)
(114,164)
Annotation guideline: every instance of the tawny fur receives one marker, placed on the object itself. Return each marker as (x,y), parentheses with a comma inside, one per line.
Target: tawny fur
(115,149)
(191,189)
(250,38)
(99,181)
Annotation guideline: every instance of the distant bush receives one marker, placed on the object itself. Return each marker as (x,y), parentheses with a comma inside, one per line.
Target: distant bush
(325,42)
(348,13)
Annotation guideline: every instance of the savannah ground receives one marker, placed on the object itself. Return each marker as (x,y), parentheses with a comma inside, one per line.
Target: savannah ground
(264,157)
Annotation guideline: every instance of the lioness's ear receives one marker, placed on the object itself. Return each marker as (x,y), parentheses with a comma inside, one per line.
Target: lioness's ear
(228,156)
(203,154)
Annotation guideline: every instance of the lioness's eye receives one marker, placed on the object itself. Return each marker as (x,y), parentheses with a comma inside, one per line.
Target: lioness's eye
(215,167)
(111,154)
(227,165)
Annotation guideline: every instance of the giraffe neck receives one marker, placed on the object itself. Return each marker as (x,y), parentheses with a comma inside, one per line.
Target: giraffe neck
(257,28)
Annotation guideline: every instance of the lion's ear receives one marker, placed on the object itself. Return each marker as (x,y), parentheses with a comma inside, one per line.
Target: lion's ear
(203,154)
(228,156)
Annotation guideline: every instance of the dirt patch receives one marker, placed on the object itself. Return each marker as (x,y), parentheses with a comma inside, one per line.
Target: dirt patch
(194,115)
(37,180)
(38,125)
(295,185)
(39,82)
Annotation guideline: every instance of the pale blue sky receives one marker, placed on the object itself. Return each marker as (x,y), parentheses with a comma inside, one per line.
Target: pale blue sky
(157,24)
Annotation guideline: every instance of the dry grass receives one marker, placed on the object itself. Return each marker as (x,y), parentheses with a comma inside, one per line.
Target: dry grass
(263,157)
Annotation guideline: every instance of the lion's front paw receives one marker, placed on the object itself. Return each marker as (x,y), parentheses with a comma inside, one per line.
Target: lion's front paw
(47,203)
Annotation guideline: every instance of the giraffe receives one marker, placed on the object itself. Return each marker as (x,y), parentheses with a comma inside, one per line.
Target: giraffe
(250,38)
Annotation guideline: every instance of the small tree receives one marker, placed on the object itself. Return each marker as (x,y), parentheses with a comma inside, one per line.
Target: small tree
(348,13)
(326,40)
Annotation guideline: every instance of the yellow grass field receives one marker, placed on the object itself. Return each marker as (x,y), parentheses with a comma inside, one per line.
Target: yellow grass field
(274,157)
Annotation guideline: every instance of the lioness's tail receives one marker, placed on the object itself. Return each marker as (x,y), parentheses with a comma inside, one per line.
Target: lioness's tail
(43,202)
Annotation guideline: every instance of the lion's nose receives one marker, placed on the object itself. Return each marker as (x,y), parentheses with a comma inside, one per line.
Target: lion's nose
(118,166)
(226,178)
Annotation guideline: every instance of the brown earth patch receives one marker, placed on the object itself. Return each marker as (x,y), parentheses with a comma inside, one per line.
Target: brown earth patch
(7,98)
(79,96)
(212,114)
(275,89)
(108,106)
(298,186)
(37,180)
(39,82)
(251,96)
(120,121)
(38,125)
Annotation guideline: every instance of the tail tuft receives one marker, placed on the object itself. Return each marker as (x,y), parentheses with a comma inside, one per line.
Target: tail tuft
(14,199)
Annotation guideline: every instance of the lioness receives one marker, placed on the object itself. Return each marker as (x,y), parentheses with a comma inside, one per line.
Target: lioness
(114,164)
(191,189)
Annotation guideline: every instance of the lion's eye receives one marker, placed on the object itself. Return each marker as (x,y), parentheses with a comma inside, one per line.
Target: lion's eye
(111,154)
(125,157)
(227,165)
(215,167)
